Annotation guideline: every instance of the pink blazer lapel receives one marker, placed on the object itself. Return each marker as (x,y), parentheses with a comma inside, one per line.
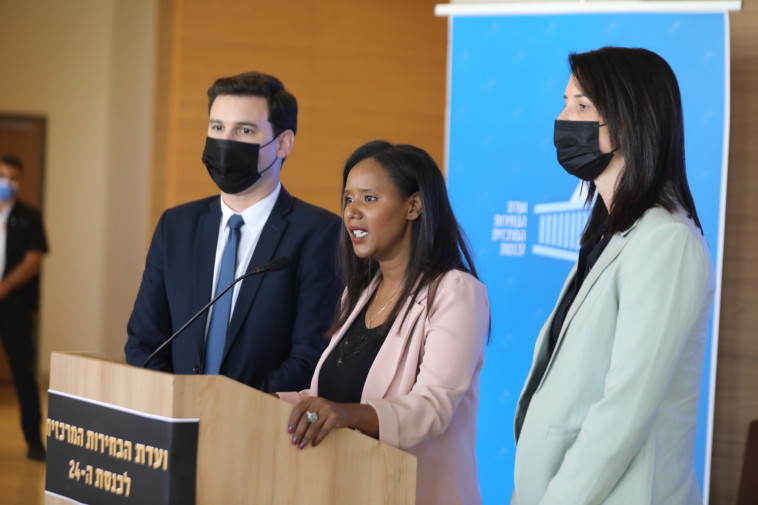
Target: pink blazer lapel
(388,360)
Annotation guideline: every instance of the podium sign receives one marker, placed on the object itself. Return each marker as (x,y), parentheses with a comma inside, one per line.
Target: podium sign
(104,454)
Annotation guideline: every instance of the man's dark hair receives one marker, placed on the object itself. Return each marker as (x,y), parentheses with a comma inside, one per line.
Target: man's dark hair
(12,161)
(282,105)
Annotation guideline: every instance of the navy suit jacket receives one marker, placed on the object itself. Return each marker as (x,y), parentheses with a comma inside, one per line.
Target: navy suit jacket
(276,334)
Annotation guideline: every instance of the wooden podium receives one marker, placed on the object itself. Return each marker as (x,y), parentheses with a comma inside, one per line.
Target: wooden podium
(245,455)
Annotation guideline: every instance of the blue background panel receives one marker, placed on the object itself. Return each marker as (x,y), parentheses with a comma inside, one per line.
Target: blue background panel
(517,205)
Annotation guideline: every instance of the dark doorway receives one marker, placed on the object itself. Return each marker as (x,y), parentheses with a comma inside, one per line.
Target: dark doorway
(24,136)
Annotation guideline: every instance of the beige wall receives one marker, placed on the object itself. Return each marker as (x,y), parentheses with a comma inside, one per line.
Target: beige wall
(87,66)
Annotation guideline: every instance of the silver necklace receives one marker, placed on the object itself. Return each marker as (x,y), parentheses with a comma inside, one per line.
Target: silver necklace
(371,319)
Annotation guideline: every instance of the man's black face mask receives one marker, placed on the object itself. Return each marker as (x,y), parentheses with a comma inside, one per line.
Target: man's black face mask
(233,165)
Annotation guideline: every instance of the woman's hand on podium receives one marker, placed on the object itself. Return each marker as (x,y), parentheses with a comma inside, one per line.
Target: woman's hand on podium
(313,418)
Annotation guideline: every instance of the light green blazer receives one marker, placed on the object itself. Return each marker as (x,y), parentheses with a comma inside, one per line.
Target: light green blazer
(612,420)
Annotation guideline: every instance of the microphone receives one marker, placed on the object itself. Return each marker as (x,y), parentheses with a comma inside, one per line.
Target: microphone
(274,265)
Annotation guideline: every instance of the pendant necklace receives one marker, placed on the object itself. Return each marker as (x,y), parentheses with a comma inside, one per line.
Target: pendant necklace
(371,319)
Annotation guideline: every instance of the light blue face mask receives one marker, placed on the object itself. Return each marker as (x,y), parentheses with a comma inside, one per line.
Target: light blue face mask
(8,190)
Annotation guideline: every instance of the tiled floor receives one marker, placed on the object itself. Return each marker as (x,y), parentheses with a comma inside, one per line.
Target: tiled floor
(22,481)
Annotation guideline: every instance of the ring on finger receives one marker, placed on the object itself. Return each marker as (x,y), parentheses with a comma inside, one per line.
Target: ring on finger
(311,416)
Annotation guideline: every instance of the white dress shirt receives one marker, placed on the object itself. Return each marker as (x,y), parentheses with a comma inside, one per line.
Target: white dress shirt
(255,217)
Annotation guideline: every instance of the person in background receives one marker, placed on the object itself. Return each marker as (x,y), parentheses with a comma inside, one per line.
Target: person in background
(407,345)
(22,245)
(267,332)
(608,413)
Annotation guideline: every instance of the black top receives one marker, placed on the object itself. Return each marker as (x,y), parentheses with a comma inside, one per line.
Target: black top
(588,256)
(344,371)
(24,233)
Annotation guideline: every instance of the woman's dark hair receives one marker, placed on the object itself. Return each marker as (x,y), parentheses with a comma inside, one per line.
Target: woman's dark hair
(637,93)
(437,244)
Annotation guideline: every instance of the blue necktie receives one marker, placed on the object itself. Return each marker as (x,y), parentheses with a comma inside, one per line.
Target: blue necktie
(214,346)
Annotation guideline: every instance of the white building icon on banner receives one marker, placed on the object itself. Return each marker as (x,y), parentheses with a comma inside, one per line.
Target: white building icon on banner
(561,225)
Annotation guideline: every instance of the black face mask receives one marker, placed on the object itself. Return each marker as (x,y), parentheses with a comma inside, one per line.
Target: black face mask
(578,147)
(233,165)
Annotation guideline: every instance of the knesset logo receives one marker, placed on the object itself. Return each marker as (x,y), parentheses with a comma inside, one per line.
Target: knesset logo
(560,226)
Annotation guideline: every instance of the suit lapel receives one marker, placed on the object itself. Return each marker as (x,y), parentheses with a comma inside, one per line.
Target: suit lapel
(543,361)
(540,361)
(612,250)
(264,252)
(387,361)
(206,240)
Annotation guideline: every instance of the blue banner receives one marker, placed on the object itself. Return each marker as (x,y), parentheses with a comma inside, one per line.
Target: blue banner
(524,215)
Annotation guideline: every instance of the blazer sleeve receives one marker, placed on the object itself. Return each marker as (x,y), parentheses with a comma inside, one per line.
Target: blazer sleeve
(454,335)
(665,286)
(150,323)
(316,296)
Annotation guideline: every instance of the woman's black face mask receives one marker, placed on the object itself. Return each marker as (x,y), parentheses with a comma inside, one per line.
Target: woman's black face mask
(577,144)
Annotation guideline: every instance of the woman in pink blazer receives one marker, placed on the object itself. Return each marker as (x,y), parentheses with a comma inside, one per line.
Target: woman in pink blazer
(407,345)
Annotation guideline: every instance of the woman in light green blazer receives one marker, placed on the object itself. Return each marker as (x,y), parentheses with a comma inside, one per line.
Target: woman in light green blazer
(608,412)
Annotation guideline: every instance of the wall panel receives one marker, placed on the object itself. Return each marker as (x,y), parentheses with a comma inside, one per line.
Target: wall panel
(86,66)
(360,71)
(737,373)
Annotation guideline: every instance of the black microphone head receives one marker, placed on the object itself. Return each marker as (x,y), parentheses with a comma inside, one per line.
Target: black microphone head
(279,263)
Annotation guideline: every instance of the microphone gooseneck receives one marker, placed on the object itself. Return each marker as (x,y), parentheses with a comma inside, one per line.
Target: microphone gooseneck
(274,265)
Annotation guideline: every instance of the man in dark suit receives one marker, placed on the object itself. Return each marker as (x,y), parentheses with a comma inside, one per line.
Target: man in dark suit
(268,332)
(23,245)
